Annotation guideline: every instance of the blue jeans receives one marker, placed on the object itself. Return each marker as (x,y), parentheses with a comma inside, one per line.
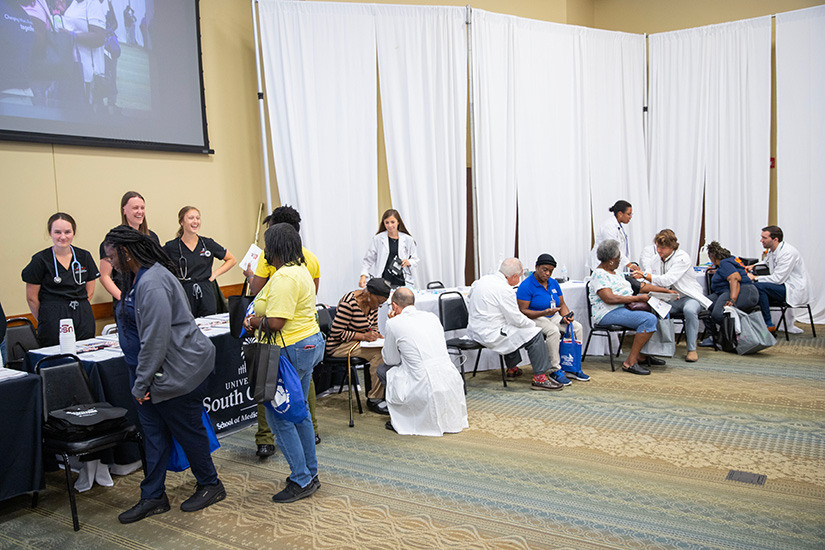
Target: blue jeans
(690,308)
(640,321)
(297,441)
(769,293)
(747,300)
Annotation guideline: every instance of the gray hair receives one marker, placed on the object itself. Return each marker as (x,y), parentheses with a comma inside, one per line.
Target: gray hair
(403,297)
(510,267)
(608,250)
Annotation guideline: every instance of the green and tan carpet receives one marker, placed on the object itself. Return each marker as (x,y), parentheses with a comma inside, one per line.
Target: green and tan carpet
(622,461)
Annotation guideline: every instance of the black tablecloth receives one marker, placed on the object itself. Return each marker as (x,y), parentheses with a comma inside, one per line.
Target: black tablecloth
(21,413)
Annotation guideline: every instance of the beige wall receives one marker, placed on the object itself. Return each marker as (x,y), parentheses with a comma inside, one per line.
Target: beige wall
(37,180)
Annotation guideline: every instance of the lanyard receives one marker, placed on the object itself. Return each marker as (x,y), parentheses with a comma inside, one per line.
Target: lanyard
(626,245)
(74,267)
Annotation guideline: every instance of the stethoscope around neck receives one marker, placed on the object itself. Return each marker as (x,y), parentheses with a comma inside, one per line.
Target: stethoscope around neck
(183,264)
(74,267)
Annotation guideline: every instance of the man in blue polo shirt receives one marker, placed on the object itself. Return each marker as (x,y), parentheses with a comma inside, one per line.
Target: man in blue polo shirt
(540,298)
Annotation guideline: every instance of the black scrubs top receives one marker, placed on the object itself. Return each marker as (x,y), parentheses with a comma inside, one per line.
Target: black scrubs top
(196,264)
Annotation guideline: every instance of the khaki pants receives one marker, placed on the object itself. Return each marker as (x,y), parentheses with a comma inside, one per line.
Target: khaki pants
(552,328)
(373,355)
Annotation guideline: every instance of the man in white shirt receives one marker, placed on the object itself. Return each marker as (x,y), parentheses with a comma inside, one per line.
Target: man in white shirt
(675,271)
(497,323)
(788,280)
(424,391)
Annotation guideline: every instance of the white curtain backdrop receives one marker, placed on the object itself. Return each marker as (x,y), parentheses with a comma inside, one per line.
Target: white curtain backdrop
(319,64)
(738,139)
(676,131)
(553,205)
(800,164)
(613,90)
(422,71)
(494,173)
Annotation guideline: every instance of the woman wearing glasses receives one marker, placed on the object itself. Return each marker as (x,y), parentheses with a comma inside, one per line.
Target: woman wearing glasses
(59,282)
(194,257)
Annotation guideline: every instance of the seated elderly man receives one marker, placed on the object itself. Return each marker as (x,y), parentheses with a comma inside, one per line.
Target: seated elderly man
(424,392)
(496,323)
(540,298)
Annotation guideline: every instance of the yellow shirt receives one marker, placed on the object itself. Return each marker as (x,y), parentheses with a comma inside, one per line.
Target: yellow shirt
(264,270)
(289,294)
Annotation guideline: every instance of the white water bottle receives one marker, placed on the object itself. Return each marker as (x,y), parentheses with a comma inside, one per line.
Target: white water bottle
(564,277)
(67,337)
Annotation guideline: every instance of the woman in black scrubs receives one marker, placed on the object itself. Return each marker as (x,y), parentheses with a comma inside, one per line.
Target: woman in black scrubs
(59,282)
(194,255)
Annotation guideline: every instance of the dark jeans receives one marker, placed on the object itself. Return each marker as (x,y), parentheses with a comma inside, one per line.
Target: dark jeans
(536,351)
(179,417)
(746,301)
(769,294)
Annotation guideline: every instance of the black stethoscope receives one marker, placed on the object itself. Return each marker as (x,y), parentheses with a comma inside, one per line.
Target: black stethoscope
(183,264)
(74,267)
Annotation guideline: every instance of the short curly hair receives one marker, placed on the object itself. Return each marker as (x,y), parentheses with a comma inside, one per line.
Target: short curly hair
(717,252)
(666,238)
(608,250)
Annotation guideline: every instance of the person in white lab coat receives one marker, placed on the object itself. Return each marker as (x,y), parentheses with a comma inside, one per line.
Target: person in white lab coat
(675,271)
(788,280)
(424,391)
(392,254)
(496,322)
(614,228)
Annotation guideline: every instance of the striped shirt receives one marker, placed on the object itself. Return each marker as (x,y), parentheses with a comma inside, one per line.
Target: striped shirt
(349,320)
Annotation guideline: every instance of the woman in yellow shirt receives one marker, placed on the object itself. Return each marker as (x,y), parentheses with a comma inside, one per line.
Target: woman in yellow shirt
(287,302)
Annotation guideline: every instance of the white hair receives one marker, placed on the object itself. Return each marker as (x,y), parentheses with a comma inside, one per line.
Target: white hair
(510,267)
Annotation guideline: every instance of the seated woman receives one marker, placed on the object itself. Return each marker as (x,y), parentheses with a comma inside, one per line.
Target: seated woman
(357,321)
(730,285)
(609,292)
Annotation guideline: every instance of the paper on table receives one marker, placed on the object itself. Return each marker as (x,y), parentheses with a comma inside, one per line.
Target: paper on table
(661,308)
(251,256)
(376,344)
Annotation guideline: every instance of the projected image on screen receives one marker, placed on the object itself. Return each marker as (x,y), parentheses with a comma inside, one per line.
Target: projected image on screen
(104,70)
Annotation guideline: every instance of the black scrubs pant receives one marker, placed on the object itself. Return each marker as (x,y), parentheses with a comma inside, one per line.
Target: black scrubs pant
(50,314)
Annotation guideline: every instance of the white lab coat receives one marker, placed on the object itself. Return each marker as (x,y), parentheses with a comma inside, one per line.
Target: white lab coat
(649,261)
(425,393)
(612,229)
(376,257)
(495,319)
(788,268)
(676,272)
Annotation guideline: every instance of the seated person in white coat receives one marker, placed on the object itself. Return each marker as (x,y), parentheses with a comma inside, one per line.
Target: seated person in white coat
(424,391)
(540,298)
(676,273)
(391,255)
(788,280)
(496,323)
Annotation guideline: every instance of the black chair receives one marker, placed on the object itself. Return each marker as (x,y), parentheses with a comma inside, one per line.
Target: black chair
(325,317)
(20,339)
(453,314)
(602,330)
(65,384)
(783,308)
(435,284)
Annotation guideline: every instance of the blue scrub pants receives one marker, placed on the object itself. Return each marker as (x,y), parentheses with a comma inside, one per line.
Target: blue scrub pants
(297,441)
(180,417)
(769,293)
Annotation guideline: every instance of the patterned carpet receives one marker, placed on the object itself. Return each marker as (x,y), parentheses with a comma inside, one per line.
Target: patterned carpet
(619,462)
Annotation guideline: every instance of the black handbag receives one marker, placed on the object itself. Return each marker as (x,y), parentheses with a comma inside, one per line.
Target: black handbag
(727,334)
(80,422)
(237,311)
(262,357)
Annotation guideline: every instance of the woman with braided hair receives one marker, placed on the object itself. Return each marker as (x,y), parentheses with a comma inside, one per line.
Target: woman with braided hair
(169,361)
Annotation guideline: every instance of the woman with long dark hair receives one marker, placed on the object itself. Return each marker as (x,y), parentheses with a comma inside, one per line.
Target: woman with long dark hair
(59,282)
(169,361)
(392,253)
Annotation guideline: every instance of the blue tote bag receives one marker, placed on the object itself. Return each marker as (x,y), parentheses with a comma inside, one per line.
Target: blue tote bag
(177,458)
(288,402)
(570,351)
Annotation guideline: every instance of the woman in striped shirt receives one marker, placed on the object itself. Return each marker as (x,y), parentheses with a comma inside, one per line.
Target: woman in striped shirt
(356,320)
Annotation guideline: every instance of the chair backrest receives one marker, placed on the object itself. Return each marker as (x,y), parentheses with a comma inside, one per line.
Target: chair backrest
(589,305)
(708,276)
(64,382)
(452,311)
(109,329)
(325,317)
(435,284)
(20,338)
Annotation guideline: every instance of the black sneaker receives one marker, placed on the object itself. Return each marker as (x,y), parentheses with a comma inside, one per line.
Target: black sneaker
(145,508)
(293,491)
(313,482)
(379,407)
(205,495)
(317,439)
(265,450)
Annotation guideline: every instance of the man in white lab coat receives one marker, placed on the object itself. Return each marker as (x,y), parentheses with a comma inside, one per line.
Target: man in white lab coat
(497,323)
(424,391)
(788,280)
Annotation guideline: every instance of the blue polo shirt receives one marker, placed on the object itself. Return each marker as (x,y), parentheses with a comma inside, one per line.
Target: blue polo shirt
(539,297)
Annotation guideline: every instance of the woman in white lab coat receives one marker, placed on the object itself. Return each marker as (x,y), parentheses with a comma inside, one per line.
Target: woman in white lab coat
(614,227)
(392,253)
